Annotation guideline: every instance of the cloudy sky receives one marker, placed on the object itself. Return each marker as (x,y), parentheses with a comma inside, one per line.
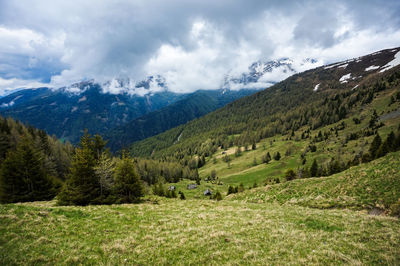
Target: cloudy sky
(192,43)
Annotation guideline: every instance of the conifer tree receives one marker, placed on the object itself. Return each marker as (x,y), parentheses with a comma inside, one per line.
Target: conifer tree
(373,121)
(182,196)
(391,141)
(82,187)
(375,144)
(314,168)
(277,156)
(383,149)
(231,190)
(218,196)
(128,186)
(22,176)
(267,158)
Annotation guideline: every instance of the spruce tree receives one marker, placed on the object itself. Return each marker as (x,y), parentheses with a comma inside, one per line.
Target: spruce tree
(391,141)
(383,149)
(218,196)
(182,196)
(82,186)
(23,177)
(376,143)
(314,168)
(128,186)
(268,157)
(277,156)
(374,120)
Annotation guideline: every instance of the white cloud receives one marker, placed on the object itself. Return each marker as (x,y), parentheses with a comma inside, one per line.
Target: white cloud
(10,85)
(193,44)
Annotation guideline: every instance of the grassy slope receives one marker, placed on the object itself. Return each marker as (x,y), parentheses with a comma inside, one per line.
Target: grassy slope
(367,186)
(272,224)
(242,170)
(194,232)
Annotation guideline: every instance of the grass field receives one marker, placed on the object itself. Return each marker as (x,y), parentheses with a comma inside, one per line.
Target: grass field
(375,185)
(194,232)
(308,221)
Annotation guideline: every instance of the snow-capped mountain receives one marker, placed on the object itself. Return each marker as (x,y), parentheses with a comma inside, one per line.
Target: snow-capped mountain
(262,74)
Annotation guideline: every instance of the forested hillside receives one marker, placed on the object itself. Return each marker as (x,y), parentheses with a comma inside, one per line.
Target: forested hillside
(33,165)
(307,101)
(193,106)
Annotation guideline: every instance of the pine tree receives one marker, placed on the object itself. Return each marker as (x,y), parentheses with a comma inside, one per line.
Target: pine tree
(391,141)
(182,196)
(268,157)
(277,156)
(218,196)
(375,144)
(128,186)
(383,149)
(82,186)
(374,119)
(314,168)
(22,176)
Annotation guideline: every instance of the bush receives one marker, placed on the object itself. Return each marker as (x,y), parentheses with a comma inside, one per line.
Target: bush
(217,196)
(290,175)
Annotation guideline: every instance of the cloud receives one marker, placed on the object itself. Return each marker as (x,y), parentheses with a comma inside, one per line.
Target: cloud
(193,44)
(9,85)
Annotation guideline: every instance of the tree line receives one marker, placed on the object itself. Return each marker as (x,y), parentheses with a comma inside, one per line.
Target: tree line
(35,166)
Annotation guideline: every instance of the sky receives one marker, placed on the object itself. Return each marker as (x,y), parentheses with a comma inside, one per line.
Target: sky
(192,44)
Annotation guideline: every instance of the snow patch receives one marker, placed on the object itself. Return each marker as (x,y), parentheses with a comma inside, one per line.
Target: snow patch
(16,98)
(372,68)
(74,109)
(345,78)
(343,64)
(5,105)
(82,99)
(316,87)
(355,87)
(334,65)
(393,63)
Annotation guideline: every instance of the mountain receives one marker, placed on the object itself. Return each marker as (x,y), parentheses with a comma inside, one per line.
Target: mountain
(312,99)
(192,106)
(106,107)
(66,112)
(263,73)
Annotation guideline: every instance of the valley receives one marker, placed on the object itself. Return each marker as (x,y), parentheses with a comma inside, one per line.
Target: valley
(306,170)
